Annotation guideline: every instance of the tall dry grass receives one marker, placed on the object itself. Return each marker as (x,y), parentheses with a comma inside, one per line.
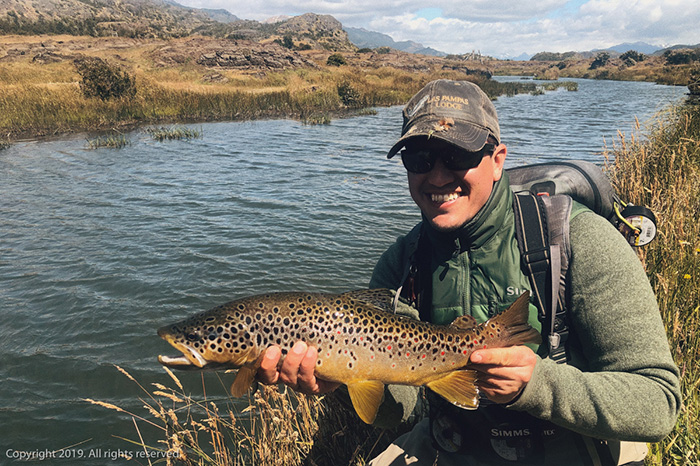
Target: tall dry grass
(276,427)
(46,99)
(661,170)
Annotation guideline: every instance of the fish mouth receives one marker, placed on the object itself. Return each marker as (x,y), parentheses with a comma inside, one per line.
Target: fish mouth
(189,357)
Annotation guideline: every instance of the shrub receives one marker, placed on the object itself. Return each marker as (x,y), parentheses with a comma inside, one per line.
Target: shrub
(633,55)
(350,96)
(104,80)
(336,59)
(600,60)
(681,57)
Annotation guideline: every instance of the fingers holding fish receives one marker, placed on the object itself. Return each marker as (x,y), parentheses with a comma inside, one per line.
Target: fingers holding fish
(268,373)
(503,372)
(296,370)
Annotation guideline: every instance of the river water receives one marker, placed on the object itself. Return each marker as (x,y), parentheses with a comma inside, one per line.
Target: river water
(98,248)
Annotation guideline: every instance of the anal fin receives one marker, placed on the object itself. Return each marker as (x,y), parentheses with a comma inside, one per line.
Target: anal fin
(366,396)
(459,388)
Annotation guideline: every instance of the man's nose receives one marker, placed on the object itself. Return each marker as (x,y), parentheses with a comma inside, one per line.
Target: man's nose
(440,175)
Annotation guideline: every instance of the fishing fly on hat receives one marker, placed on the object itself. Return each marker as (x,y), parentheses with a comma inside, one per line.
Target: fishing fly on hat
(458,112)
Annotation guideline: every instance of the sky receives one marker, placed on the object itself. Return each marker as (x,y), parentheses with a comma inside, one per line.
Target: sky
(498,28)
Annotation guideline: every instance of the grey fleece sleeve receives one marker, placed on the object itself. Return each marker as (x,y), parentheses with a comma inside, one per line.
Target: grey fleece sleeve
(625,385)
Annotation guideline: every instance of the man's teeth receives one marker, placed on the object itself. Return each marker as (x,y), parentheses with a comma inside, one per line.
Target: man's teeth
(444,197)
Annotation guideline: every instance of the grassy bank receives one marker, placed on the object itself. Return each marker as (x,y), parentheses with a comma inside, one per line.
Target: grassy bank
(44,98)
(663,171)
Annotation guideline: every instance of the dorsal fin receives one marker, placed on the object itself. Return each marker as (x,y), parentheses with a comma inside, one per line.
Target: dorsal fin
(378,297)
(464,323)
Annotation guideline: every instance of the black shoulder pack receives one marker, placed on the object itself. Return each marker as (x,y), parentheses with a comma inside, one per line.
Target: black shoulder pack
(542,205)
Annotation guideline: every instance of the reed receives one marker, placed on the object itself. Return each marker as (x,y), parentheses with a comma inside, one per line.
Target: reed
(163,133)
(662,171)
(278,426)
(113,141)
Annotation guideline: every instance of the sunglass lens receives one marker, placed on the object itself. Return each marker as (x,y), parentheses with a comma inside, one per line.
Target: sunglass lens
(418,162)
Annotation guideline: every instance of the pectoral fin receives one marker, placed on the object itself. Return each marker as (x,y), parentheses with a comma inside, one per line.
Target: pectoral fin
(243,381)
(366,396)
(459,388)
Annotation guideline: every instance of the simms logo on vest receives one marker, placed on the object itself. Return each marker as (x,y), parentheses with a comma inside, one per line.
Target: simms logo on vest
(514,291)
(510,433)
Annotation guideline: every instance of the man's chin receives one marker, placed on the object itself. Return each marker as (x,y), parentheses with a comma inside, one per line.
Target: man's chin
(444,225)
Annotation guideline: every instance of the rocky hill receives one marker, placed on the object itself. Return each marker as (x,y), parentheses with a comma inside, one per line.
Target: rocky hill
(125,18)
(164,19)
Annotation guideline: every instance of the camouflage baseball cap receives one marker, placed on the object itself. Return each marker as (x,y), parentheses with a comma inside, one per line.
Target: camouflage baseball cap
(458,112)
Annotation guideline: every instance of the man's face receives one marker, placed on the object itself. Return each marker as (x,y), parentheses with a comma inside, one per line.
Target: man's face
(451,198)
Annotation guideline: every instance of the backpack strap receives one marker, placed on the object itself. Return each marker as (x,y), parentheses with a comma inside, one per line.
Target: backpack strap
(542,231)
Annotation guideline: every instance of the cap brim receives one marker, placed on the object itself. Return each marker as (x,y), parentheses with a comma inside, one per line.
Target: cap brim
(464,135)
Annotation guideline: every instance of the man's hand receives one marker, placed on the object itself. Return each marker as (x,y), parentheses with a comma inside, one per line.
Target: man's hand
(297,370)
(503,372)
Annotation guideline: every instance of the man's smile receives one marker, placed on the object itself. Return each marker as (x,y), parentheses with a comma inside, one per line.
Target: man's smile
(441,198)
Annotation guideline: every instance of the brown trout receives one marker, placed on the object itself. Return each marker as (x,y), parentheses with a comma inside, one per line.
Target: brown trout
(360,343)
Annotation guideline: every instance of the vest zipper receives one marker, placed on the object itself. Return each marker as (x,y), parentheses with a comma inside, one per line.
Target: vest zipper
(466,283)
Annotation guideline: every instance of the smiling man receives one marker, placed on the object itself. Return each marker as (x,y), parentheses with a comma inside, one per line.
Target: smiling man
(619,386)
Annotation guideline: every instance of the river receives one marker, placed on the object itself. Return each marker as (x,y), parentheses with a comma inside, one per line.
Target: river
(100,247)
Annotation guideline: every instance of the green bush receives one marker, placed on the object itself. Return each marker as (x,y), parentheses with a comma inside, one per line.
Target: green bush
(633,55)
(600,60)
(349,95)
(682,57)
(336,60)
(104,80)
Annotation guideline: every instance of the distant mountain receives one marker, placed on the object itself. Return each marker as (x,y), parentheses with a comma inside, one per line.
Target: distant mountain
(363,38)
(522,57)
(276,19)
(677,47)
(220,15)
(641,47)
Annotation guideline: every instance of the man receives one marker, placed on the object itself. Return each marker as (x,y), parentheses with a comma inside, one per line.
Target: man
(619,388)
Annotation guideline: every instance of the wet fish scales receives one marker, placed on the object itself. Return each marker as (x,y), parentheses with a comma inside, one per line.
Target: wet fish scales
(359,343)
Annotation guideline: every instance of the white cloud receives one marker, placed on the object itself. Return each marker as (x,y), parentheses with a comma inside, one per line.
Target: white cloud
(500,27)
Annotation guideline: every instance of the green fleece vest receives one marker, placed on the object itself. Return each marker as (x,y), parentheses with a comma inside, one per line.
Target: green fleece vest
(476,270)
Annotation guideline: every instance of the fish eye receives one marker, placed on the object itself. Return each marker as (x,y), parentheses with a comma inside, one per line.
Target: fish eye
(191,336)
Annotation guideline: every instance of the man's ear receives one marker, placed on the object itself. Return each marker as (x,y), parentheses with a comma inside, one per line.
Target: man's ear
(499,160)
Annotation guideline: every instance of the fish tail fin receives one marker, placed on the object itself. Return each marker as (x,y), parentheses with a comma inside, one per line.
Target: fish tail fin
(514,322)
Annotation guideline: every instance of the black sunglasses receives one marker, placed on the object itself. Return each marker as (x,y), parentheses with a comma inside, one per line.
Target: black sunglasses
(422,160)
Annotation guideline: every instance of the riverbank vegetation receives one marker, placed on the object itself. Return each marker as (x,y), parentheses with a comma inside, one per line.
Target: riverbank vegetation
(662,170)
(65,85)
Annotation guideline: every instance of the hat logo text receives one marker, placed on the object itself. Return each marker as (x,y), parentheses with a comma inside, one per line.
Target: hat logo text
(449,101)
